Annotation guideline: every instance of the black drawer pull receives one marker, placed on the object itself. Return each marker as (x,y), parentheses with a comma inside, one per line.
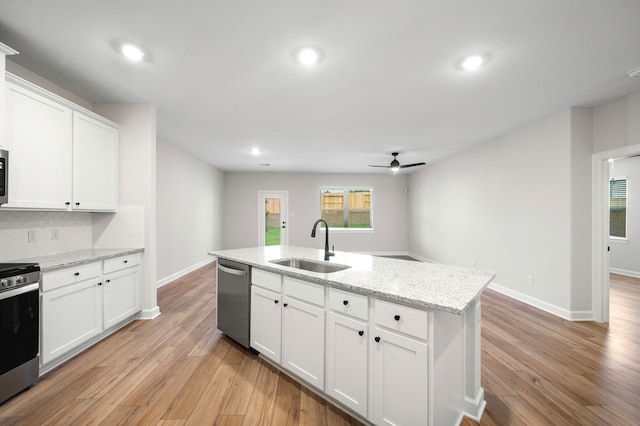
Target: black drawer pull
(99,283)
(396,317)
(377,339)
(126,261)
(108,281)
(361,333)
(76,273)
(285,304)
(276,301)
(345,302)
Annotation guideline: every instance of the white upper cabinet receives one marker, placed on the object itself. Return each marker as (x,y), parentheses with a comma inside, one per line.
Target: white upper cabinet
(95,166)
(62,156)
(38,137)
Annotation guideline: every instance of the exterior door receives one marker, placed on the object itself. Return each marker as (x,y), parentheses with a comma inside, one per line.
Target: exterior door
(272,218)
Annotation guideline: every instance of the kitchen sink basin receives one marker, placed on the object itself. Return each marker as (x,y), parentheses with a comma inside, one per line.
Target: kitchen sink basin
(311,265)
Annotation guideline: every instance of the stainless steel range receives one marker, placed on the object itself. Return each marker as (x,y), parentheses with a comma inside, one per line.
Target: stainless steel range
(19,327)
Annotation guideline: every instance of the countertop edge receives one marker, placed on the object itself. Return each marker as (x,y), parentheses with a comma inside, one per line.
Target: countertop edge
(65,260)
(308,276)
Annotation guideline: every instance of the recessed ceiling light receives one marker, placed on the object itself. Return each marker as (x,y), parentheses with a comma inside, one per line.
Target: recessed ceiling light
(308,55)
(132,52)
(473,62)
(255,151)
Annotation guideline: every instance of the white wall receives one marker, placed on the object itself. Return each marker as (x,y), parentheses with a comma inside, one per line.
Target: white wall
(389,210)
(506,205)
(190,201)
(616,124)
(137,185)
(625,255)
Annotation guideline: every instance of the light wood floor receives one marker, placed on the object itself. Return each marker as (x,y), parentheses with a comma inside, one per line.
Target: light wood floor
(177,369)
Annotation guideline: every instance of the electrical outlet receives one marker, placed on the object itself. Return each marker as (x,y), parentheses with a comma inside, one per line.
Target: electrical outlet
(31,236)
(55,236)
(530,279)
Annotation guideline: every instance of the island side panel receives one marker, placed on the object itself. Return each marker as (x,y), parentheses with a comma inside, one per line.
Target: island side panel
(474,402)
(447,369)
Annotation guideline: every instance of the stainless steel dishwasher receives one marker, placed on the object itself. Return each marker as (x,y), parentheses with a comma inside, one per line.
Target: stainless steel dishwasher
(234,300)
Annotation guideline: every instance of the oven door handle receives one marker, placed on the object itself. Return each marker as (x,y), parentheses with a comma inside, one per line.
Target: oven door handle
(20,290)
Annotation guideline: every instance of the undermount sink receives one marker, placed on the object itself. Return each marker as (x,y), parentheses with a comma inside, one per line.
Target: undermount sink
(311,265)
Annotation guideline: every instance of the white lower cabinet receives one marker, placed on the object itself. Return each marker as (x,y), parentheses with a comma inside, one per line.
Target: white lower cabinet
(71,315)
(303,340)
(121,295)
(81,302)
(400,379)
(325,339)
(266,322)
(347,366)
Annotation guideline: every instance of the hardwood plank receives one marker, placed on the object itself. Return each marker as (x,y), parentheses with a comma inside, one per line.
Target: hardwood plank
(262,402)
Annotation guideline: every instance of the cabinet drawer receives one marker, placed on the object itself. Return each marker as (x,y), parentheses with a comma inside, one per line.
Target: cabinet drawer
(122,262)
(265,279)
(303,290)
(75,274)
(356,305)
(402,318)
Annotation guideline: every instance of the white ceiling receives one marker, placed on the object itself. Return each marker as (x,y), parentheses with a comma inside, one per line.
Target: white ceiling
(223,79)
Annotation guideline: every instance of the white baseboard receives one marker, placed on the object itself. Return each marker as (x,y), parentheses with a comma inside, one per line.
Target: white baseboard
(149,314)
(422,258)
(540,304)
(633,274)
(175,276)
(473,408)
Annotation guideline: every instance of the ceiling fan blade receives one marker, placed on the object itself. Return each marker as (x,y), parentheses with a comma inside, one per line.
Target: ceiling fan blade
(386,167)
(412,165)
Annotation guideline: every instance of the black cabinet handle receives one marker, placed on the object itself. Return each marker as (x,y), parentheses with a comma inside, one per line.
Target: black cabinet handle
(345,302)
(361,333)
(77,204)
(276,301)
(76,273)
(126,261)
(99,283)
(285,305)
(67,203)
(396,317)
(108,281)
(377,339)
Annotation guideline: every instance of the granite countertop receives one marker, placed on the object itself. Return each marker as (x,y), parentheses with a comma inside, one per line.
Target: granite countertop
(78,257)
(427,285)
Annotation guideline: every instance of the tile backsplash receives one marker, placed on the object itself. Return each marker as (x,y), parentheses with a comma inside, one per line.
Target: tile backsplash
(25,234)
(29,233)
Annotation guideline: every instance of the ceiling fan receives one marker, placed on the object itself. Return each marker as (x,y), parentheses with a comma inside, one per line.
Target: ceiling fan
(395,164)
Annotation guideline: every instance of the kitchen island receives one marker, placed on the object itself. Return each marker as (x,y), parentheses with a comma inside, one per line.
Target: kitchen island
(391,341)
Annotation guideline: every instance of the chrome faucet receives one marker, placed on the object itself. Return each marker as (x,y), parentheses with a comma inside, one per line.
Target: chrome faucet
(327,253)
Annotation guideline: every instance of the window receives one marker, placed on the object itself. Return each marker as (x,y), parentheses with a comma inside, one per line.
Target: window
(618,207)
(346,207)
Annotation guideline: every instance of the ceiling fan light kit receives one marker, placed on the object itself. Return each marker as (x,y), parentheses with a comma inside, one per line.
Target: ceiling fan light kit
(395,165)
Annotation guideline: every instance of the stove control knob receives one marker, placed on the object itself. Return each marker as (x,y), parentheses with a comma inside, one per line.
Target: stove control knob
(21,279)
(5,283)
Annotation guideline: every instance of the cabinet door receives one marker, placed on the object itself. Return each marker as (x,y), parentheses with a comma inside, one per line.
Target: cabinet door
(266,323)
(70,316)
(38,136)
(95,164)
(303,341)
(121,292)
(347,366)
(400,380)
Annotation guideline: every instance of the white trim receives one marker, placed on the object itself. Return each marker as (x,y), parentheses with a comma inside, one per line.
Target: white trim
(422,258)
(624,272)
(540,304)
(6,50)
(474,408)
(600,175)
(149,314)
(618,240)
(185,271)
